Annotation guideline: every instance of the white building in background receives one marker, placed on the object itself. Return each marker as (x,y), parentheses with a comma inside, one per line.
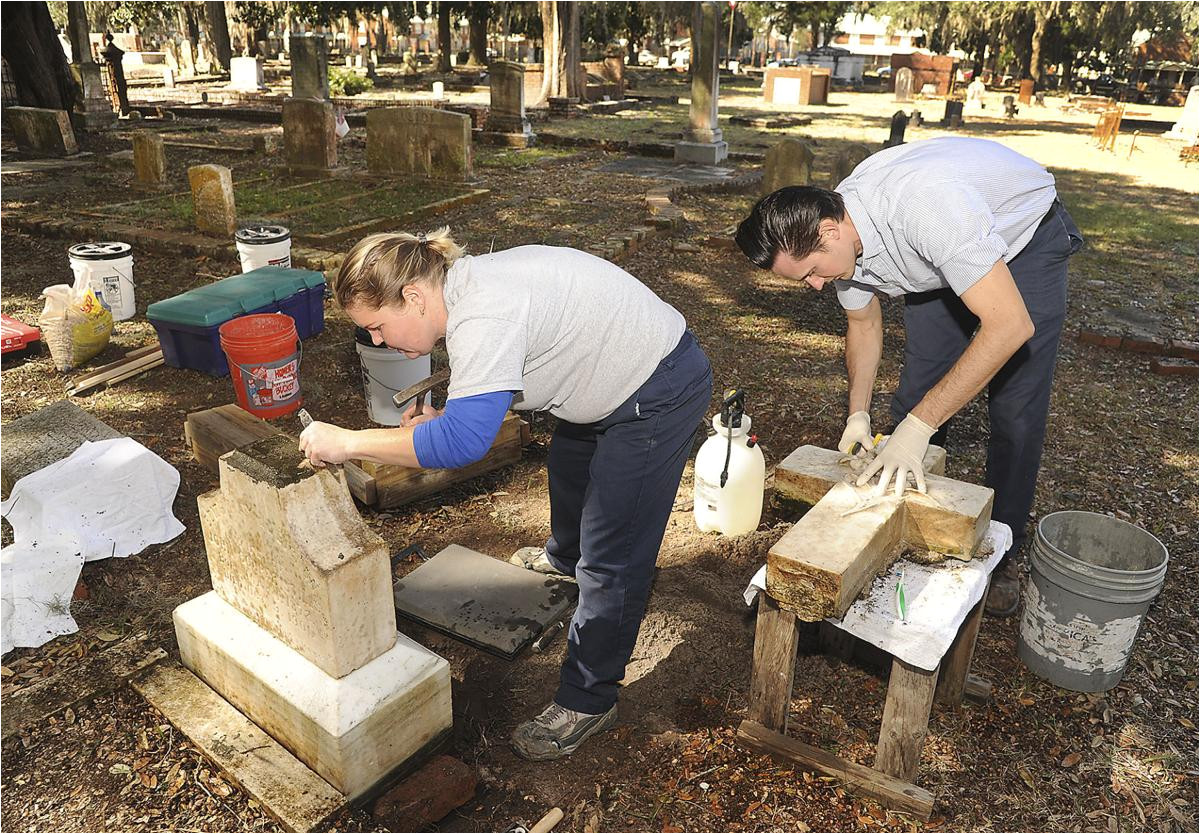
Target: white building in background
(870,37)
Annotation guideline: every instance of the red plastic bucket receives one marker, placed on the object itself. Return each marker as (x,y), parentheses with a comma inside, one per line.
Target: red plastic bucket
(264,363)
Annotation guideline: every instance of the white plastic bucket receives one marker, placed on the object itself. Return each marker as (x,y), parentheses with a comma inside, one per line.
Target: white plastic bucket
(384,373)
(108,268)
(266,245)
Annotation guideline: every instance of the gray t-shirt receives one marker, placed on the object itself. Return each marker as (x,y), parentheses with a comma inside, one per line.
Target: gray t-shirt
(939,213)
(570,333)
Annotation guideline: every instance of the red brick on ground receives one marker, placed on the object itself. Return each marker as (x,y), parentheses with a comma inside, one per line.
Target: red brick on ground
(1144,343)
(1174,367)
(1103,338)
(1183,350)
(428,795)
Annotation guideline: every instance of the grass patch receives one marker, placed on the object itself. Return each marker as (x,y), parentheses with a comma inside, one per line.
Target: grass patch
(1114,224)
(519,157)
(391,201)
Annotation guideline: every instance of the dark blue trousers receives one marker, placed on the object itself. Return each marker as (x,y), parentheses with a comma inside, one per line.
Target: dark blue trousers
(612,486)
(938,327)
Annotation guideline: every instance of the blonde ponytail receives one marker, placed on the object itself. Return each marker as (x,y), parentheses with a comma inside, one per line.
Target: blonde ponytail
(379,267)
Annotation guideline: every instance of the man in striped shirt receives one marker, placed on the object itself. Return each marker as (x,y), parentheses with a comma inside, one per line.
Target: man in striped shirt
(974,238)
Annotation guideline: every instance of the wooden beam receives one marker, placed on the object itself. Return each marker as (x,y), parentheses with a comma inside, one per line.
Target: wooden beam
(905,720)
(294,796)
(956,664)
(773,670)
(893,793)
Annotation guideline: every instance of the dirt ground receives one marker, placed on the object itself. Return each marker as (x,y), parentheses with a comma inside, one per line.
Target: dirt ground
(1036,757)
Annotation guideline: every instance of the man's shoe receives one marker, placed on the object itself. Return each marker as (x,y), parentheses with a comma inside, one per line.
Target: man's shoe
(1004,596)
(535,559)
(558,732)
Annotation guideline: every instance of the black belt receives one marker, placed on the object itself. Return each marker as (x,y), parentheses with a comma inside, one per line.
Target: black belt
(1054,207)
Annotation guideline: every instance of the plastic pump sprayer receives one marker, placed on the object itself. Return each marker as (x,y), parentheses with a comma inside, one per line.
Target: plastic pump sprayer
(730,472)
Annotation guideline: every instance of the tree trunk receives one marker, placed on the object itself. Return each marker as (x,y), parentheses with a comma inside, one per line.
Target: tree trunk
(35,57)
(218,32)
(77,31)
(477,19)
(191,22)
(572,77)
(551,50)
(1041,15)
(444,12)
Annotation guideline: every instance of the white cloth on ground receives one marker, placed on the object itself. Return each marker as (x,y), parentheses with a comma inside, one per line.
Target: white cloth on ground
(938,596)
(110,498)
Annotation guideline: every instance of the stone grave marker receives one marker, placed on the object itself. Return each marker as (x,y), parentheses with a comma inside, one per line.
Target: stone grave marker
(1010,107)
(246,75)
(953,115)
(904,84)
(787,163)
(846,161)
(1025,91)
(310,67)
(309,137)
(212,199)
(702,143)
(149,160)
(41,131)
(299,631)
(506,116)
(899,123)
(419,140)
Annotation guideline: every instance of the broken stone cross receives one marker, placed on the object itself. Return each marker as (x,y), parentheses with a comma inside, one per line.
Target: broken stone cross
(821,565)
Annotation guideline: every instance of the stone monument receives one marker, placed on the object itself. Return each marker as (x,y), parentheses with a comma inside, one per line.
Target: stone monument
(701,142)
(506,122)
(904,84)
(787,163)
(41,131)
(310,67)
(309,137)
(212,199)
(149,160)
(419,140)
(246,75)
(299,631)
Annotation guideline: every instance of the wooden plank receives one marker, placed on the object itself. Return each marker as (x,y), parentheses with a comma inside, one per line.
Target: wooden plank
(956,663)
(905,720)
(893,793)
(398,485)
(773,670)
(98,673)
(118,365)
(294,796)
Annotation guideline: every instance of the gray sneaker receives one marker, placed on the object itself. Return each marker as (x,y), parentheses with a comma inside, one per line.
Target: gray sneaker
(558,732)
(535,559)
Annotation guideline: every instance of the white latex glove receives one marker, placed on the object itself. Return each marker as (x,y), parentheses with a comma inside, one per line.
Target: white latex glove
(858,430)
(903,453)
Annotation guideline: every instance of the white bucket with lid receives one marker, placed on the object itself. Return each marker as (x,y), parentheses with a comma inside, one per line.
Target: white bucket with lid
(108,268)
(386,372)
(264,245)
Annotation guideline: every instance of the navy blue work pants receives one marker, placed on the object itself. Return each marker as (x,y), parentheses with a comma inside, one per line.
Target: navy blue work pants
(612,486)
(938,327)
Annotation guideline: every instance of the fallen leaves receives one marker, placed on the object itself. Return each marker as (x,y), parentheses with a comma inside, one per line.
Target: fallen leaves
(1071,759)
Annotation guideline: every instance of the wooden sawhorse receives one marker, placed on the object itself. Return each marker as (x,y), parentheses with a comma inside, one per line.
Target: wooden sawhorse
(911,692)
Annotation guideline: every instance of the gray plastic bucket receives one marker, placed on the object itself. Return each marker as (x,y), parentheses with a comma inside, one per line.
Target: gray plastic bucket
(1091,580)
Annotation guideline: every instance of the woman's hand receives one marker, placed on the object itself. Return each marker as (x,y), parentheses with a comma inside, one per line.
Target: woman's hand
(324,443)
(409,418)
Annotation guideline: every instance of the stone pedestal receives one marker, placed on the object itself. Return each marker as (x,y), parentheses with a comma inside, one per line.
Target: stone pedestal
(353,730)
(246,75)
(97,109)
(40,131)
(299,632)
(702,142)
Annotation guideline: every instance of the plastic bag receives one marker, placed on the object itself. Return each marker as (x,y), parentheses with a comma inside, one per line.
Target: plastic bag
(75,325)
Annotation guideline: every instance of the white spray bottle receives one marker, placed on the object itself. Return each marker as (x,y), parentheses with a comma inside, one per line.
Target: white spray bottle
(730,472)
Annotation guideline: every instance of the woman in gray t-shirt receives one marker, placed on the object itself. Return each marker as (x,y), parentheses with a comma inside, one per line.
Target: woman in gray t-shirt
(548,329)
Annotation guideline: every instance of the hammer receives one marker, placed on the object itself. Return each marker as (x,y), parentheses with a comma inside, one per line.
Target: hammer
(419,390)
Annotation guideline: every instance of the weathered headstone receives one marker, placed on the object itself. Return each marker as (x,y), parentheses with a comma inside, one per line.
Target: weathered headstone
(212,199)
(787,163)
(187,58)
(1188,126)
(702,142)
(309,136)
(953,115)
(46,436)
(1010,107)
(149,159)
(419,140)
(41,131)
(96,106)
(904,84)
(846,161)
(310,67)
(506,116)
(899,123)
(246,75)
(299,631)
(975,95)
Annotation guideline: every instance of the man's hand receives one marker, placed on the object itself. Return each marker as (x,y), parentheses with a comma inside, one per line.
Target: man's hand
(858,430)
(903,453)
(410,418)
(324,443)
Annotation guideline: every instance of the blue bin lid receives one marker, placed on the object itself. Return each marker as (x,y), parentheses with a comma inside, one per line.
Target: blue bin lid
(216,303)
